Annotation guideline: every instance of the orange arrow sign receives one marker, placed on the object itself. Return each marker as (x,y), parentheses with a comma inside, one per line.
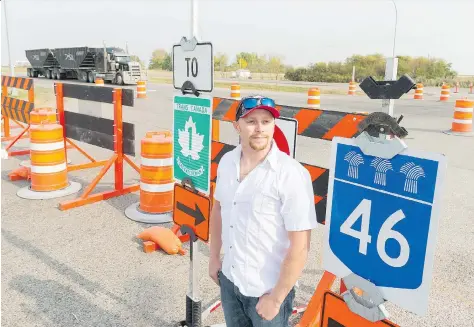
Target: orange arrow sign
(192,209)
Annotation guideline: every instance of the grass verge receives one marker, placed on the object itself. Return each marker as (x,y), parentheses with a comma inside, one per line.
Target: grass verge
(260,87)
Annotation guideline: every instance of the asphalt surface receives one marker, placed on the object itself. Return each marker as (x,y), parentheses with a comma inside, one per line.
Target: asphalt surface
(85,266)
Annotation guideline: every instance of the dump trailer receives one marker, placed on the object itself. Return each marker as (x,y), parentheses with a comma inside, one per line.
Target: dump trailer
(85,64)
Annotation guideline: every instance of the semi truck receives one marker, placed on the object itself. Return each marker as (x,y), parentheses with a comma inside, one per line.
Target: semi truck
(112,64)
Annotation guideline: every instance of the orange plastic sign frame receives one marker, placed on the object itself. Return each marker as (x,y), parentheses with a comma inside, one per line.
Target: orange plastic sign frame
(336,313)
(192,209)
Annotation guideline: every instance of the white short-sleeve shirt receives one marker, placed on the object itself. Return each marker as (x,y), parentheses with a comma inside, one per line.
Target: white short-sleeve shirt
(275,197)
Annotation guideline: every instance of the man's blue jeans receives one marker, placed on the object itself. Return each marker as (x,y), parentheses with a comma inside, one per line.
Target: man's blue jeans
(240,310)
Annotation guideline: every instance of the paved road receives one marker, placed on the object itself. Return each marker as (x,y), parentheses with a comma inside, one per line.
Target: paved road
(84,267)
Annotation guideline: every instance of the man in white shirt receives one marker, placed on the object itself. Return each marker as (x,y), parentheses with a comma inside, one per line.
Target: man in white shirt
(262,218)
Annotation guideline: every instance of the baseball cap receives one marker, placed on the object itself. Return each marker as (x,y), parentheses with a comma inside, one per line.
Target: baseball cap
(248,104)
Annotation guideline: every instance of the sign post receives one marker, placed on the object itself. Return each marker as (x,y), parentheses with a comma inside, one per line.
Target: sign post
(193,71)
(382,218)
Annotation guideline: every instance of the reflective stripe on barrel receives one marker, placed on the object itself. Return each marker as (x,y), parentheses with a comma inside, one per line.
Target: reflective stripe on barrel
(48,157)
(156,173)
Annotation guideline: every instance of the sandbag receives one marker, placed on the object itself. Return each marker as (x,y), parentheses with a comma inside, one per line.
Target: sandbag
(164,237)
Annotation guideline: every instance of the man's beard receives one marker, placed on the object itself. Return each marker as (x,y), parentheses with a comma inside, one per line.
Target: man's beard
(258,147)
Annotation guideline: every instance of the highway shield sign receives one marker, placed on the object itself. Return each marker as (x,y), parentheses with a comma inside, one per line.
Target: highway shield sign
(382,217)
(192,140)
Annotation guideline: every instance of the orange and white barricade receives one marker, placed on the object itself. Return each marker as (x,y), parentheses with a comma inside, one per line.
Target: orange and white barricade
(418,92)
(352,88)
(49,177)
(444,93)
(314,98)
(141,89)
(156,180)
(235,91)
(462,117)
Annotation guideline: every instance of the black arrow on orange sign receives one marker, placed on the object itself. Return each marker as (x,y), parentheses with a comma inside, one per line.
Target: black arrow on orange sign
(196,213)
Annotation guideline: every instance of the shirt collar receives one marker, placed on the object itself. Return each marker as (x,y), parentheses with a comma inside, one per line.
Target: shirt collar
(271,158)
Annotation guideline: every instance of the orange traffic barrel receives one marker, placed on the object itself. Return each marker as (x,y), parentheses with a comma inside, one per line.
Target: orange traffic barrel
(141,89)
(462,118)
(352,88)
(156,180)
(314,98)
(48,163)
(418,92)
(99,81)
(444,93)
(235,91)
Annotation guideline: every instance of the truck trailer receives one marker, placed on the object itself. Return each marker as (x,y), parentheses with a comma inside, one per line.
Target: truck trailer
(85,64)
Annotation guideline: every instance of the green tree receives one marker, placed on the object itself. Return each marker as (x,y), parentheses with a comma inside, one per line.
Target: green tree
(137,59)
(160,59)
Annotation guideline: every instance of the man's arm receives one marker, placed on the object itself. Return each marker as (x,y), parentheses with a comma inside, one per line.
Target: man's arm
(299,215)
(215,241)
(215,230)
(292,265)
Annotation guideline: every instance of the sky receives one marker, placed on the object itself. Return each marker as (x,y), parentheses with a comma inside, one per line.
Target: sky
(301,31)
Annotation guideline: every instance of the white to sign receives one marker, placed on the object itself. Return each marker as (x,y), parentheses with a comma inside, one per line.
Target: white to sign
(382,220)
(194,62)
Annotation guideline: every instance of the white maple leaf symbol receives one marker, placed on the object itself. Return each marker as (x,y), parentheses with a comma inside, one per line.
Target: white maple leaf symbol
(192,138)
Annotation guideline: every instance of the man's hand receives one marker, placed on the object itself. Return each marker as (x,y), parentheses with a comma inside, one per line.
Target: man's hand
(268,307)
(215,265)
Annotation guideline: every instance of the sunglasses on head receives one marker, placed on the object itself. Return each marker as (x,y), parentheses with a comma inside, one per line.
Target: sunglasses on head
(250,103)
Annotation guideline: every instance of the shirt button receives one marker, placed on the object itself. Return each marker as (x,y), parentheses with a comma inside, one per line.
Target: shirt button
(231,226)
(234,202)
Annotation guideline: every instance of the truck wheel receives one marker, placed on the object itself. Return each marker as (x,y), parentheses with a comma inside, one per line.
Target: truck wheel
(48,74)
(90,77)
(119,79)
(82,76)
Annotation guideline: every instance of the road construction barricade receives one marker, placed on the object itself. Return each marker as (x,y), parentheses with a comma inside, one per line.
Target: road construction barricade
(418,92)
(444,93)
(352,88)
(235,91)
(16,110)
(109,134)
(141,89)
(156,180)
(48,163)
(462,118)
(99,81)
(314,98)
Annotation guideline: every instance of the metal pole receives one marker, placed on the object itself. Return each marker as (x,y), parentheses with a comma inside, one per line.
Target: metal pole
(10,62)
(194,19)
(391,68)
(395,30)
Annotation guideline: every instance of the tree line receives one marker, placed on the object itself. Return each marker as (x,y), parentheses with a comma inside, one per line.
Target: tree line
(430,71)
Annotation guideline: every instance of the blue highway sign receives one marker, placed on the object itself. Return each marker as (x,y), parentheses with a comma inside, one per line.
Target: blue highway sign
(382,219)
